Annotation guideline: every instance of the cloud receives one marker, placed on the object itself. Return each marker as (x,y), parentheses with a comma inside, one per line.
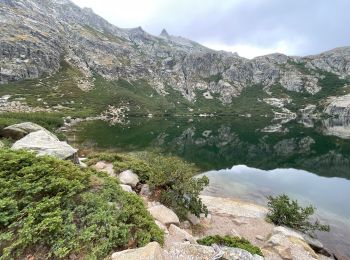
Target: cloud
(295,27)
(251,51)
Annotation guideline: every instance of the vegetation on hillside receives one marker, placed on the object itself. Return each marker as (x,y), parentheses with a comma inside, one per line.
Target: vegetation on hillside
(287,212)
(171,179)
(62,90)
(54,209)
(230,242)
(50,121)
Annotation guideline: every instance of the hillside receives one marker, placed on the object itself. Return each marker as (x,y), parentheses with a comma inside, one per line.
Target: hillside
(55,56)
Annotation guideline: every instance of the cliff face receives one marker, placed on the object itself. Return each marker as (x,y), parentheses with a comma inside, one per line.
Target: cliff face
(37,34)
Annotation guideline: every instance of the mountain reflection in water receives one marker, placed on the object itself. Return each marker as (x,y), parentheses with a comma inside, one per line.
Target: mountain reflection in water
(219,143)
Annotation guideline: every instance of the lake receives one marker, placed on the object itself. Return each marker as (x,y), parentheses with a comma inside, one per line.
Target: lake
(309,161)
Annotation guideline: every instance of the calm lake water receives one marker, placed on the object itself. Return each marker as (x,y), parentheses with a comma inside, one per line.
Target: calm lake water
(310,161)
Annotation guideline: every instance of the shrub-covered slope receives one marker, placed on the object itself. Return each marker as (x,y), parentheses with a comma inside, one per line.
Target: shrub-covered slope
(53,209)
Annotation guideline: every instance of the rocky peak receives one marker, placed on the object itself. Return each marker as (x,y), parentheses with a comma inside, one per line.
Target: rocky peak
(164,34)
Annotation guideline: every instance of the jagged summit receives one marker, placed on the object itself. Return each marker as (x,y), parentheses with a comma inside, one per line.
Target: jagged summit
(164,34)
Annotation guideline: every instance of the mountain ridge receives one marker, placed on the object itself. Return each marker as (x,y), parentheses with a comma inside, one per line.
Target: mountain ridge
(38,35)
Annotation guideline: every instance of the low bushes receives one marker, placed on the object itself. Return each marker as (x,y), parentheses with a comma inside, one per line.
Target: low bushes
(54,208)
(170,177)
(230,242)
(287,212)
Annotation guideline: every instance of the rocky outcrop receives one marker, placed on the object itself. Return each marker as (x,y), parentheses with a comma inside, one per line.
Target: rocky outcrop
(44,143)
(289,244)
(152,251)
(19,131)
(185,251)
(179,235)
(335,61)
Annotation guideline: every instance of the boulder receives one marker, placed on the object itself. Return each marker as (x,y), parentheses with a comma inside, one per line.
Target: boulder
(126,188)
(105,167)
(19,131)
(163,214)
(289,244)
(129,178)
(179,235)
(152,251)
(44,143)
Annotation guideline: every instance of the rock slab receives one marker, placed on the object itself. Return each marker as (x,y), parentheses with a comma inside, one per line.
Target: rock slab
(152,251)
(44,143)
(186,251)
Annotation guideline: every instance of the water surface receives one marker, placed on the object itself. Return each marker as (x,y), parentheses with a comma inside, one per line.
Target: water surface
(331,195)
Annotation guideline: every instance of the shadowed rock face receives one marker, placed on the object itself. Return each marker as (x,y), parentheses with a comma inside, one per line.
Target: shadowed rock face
(37,34)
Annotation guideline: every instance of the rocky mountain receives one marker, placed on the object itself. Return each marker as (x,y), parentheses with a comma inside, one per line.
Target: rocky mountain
(37,36)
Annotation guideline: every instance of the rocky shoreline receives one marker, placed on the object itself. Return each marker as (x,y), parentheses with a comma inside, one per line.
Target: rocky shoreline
(226,216)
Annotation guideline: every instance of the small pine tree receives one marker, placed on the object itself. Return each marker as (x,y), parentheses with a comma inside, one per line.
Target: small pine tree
(287,212)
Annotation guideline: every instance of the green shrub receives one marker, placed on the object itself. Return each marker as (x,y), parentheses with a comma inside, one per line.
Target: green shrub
(108,157)
(58,210)
(171,178)
(230,242)
(50,121)
(287,212)
(174,179)
(138,166)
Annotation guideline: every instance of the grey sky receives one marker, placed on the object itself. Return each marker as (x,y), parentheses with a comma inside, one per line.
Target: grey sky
(250,27)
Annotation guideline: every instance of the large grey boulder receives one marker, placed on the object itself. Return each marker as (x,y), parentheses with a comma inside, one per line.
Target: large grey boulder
(164,215)
(129,178)
(152,251)
(20,130)
(44,143)
(289,244)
